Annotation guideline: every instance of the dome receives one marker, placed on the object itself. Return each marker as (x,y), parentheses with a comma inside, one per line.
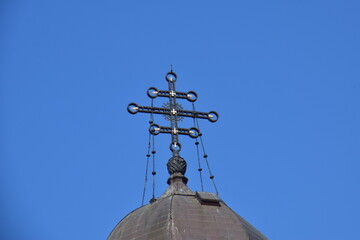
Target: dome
(180,214)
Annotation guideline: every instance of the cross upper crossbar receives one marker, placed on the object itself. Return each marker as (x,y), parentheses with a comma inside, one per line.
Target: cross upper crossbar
(154,92)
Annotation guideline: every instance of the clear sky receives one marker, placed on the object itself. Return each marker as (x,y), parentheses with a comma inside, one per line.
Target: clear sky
(283,76)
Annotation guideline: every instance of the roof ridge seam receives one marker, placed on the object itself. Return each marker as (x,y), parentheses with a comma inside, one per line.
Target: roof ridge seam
(183,194)
(171,220)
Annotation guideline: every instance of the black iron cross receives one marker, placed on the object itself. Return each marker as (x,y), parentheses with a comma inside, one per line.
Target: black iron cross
(174,112)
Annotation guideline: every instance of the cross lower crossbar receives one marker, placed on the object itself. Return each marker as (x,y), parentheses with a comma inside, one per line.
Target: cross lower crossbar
(155,129)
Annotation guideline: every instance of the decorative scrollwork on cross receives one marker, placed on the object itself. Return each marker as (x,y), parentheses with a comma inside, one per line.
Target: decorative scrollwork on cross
(173,112)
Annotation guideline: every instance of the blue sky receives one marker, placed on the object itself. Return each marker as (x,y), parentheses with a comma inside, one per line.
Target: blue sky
(283,76)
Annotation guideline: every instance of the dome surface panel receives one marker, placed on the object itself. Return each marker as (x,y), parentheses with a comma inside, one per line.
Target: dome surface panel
(190,219)
(148,222)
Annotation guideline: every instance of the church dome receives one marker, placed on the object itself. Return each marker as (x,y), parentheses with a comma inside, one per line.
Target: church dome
(180,214)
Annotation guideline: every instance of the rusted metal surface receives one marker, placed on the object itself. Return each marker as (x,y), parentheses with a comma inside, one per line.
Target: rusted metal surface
(179,215)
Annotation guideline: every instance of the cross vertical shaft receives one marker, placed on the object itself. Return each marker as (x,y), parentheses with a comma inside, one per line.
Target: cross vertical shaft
(173,117)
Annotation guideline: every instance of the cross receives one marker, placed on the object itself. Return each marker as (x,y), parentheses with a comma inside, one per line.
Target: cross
(173,112)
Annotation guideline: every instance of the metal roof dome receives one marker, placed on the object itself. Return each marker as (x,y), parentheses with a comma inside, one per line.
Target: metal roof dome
(180,214)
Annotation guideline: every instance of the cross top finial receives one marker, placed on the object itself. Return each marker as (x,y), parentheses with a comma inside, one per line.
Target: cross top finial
(174,113)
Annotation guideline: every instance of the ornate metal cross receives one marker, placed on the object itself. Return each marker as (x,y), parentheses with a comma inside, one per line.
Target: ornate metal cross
(173,112)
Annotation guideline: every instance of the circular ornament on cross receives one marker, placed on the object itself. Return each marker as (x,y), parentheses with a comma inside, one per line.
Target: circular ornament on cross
(173,111)
(154,129)
(175,147)
(171,77)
